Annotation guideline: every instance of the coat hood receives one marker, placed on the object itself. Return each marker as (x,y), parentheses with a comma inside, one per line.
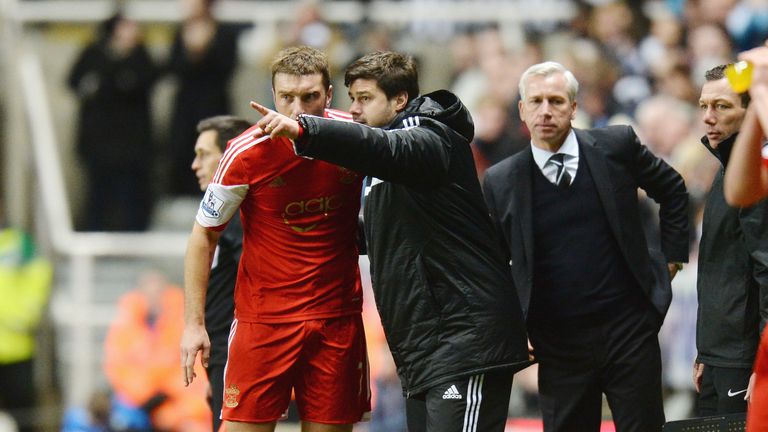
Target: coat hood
(444,107)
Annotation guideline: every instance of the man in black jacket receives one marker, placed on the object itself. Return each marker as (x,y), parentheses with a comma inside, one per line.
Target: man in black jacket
(446,300)
(733,260)
(114,78)
(593,294)
(214,133)
(203,60)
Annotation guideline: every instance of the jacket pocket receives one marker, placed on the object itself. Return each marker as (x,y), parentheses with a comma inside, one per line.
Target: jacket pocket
(415,325)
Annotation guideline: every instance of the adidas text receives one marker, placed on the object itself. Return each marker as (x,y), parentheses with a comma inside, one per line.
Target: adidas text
(452,393)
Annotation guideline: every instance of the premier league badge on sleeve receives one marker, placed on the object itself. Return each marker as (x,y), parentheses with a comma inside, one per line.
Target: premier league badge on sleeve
(211,205)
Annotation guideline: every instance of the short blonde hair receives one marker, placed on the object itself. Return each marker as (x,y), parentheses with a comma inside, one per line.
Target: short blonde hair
(546,69)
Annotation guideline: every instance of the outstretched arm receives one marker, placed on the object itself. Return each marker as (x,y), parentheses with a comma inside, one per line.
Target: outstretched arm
(415,156)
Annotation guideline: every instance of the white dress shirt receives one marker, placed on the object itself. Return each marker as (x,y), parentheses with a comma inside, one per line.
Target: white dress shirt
(570,149)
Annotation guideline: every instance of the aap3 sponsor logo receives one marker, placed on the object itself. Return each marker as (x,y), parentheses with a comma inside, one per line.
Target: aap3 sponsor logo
(300,210)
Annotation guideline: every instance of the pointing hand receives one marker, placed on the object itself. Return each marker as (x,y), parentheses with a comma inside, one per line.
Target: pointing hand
(274,124)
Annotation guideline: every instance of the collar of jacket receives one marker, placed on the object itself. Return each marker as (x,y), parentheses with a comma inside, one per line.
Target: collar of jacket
(723,151)
(442,106)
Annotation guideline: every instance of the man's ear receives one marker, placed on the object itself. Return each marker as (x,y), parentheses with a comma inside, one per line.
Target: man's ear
(401,100)
(329,96)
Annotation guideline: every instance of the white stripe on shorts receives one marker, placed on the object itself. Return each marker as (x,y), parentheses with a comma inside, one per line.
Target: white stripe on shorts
(474,398)
(232,332)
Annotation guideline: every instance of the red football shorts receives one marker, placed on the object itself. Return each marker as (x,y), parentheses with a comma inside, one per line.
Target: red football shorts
(323,361)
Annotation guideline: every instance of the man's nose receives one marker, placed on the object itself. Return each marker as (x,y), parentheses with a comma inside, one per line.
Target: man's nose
(354,108)
(546,108)
(709,116)
(297,108)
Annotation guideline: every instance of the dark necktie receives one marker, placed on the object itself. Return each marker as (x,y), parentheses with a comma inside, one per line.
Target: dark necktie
(562,179)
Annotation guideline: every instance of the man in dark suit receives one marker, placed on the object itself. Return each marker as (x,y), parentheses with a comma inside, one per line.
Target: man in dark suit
(593,294)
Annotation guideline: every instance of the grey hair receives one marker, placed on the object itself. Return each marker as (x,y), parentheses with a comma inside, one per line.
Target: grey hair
(546,69)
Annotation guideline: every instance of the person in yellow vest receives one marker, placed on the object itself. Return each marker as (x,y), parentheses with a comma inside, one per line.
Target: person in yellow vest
(25,283)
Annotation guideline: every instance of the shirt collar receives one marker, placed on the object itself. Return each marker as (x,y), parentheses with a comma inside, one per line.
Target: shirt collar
(570,147)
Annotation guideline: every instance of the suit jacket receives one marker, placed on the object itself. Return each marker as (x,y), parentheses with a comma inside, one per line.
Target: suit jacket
(619,165)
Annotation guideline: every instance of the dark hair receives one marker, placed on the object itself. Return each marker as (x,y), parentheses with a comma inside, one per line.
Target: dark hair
(106,29)
(302,60)
(226,127)
(393,72)
(718,73)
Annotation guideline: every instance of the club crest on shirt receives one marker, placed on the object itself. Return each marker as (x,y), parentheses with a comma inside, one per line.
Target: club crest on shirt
(231,395)
(277,182)
(211,205)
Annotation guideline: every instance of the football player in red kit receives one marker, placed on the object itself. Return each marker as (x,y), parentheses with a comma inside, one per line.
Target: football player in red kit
(298,297)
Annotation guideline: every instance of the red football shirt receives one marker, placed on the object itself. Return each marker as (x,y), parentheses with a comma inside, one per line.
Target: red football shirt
(300,230)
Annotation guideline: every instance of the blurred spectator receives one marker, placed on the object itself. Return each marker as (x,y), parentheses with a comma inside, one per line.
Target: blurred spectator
(714,11)
(698,169)
(486,67)
(376,38)
(597,73)
(615,27)
(496,137)
(709,46)
(105,413)
(143,359)
(113,78)
(430,30)
(203,60)
(677,340)
(94,418)
(675,80)
(388,413)
(663,45)
(665,124)
(389,410)
(747,23)
(311,28)
(25,282)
